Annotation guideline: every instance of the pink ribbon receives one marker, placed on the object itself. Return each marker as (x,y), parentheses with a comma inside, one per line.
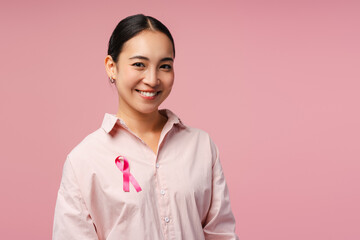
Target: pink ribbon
(127,177)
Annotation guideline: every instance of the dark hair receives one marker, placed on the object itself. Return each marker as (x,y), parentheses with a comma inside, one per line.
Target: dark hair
(131,26)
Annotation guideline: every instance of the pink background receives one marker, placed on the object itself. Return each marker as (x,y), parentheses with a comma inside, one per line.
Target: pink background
(275,83)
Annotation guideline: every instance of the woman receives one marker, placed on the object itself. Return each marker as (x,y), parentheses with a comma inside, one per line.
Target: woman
(143,174)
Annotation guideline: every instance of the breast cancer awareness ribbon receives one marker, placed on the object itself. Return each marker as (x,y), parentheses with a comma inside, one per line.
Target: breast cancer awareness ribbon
(123,165)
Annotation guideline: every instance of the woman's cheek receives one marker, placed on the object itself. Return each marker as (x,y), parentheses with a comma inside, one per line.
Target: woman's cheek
(167,78)
(131,76)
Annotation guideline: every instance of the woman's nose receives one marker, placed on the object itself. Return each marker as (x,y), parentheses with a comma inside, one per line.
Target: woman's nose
(151,78)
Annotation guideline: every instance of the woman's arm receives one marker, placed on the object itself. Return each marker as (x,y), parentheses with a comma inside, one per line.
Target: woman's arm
(220,221)
(72,219)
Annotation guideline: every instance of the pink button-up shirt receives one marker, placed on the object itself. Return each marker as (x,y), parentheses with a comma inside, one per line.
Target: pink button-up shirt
(183,190)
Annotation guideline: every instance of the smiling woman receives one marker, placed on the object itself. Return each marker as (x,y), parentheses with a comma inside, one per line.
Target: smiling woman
(179,189)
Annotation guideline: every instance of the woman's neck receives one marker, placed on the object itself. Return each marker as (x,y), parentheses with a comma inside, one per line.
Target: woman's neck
(143,124)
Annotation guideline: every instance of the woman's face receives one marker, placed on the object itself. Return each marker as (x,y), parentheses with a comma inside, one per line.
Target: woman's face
(144,72)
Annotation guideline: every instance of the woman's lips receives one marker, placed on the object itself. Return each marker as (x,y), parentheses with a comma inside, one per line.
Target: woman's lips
(148,94)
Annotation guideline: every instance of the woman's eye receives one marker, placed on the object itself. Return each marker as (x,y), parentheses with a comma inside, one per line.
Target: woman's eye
(138,64)
(166,66)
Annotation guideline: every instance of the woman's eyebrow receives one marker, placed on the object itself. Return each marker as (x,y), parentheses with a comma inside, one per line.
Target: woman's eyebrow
(139,57)
(145,58)
(167,59)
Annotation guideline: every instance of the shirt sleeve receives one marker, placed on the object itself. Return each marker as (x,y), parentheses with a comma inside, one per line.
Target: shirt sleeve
(220,221)
(71,219)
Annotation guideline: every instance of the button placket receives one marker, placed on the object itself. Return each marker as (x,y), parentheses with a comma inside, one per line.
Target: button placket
(162,197)
(163,200)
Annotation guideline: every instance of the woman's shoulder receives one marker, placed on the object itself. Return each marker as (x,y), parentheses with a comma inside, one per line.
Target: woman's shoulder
(88,144)
(95,141)
(195,131)
(197,140)
(173,118)
(195,135)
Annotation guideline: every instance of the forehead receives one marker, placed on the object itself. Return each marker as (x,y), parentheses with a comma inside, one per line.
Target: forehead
(148,43)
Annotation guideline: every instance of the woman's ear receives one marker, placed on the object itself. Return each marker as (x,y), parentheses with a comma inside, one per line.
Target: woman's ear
(110,67)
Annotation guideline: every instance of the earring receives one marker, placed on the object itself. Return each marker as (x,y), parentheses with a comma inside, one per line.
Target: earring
(111,80)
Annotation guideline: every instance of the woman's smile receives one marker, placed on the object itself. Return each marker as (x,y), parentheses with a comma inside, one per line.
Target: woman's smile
(148,94)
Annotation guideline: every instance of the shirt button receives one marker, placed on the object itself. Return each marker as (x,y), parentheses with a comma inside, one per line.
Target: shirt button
(167,219)
(157,165)
(162,192)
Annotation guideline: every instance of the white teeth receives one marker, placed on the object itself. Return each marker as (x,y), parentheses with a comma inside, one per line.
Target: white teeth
(148,94)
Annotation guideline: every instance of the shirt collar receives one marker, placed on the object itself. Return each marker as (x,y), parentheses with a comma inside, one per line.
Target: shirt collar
(110,120)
